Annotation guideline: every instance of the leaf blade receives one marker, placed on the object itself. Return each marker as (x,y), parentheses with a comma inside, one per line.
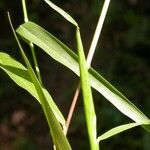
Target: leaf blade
(22,78)
(62,12)
(87,94)
(61,53)
(19,74)
(119,129)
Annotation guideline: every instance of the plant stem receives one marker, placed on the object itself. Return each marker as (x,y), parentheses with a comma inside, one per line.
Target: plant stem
(25,11)
(97,32)
(87,95)
(72,108)
(35,62)
(31,44)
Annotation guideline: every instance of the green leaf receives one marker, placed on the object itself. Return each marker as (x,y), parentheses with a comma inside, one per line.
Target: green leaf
(19,74)
(87,95)
(118,130)
(61,53)
(56,131)
(62,12)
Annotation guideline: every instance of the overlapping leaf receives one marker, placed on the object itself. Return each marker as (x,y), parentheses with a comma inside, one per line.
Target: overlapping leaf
(85,82)
(56,131)
(20,75)
(61,53)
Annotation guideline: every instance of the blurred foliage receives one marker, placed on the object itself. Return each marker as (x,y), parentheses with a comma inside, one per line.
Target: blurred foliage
(122,57)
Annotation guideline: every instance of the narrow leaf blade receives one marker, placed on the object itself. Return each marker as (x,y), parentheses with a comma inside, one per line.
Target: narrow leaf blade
(62,12)
(119,129)
(61,53)
(19,74)
(87,94)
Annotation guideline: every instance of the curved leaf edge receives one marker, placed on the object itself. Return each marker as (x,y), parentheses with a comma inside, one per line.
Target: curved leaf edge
(119,129)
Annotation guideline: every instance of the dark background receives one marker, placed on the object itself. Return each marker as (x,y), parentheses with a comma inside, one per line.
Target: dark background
(122,57)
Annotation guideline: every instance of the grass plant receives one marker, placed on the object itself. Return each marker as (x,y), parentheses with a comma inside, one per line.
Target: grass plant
(31,81)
